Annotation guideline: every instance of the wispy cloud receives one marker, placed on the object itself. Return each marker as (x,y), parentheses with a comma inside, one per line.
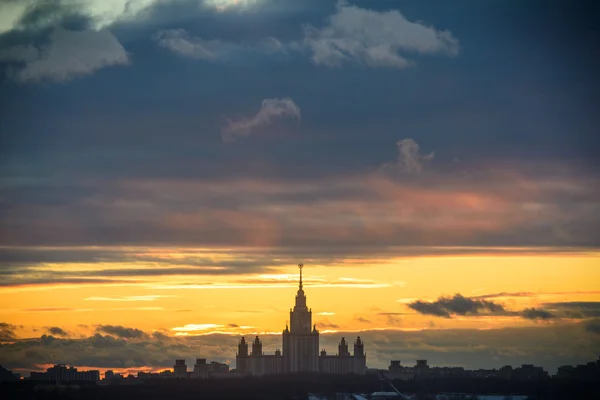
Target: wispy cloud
(506,295)
(409,159)
(151,297)
(211,329)
(77,310)
(268,285)
(70,54)
(327,325)
(374,39)
(225,5)
(181,42)
(271,110)
(196,327)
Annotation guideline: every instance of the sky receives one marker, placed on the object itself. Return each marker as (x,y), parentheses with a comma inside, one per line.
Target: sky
(166,164)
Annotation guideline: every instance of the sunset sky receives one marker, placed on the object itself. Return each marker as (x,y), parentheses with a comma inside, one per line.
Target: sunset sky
(166,164)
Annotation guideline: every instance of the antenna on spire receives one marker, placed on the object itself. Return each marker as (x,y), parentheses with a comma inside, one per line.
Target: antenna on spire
(300,266)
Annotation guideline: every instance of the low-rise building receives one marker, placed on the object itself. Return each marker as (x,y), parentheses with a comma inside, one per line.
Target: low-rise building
(62,373)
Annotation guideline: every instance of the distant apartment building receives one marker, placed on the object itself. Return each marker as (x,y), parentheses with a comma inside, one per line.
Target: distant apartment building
(62,373)
(202,370)
(7,375)
(180,369)
(530,372)
(110,375)
(166,374)
(398,372)
(422,370)
(586,372)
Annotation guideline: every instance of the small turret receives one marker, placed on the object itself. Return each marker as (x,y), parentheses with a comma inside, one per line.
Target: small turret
(243,348)
(257,347)
(359,348)
(343,348)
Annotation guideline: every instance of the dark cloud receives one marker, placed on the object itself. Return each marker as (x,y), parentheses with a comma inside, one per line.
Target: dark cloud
(21,266)
(535,294)
(362,319)
(393,318)
(7,332)
(503,294)
(537,314)
(548,345)
(477,211)
(576,309)
(121,331)
(457,305)
(56,331)
(160,336)
(49,280)
(391,313)
(593,326)
(14,258)
(327,325)
(29,266)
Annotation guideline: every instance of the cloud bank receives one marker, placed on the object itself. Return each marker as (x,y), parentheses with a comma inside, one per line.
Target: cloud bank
(352,34)
(350,213)
(547,345)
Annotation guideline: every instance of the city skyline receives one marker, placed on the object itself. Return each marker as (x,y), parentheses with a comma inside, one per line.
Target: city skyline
(166,164)
(119,337)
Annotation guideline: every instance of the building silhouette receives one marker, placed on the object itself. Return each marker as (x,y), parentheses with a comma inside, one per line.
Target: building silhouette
(62,373)
(180,369)
(300,354)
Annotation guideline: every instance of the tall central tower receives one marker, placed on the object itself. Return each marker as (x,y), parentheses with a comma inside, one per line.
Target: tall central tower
(301,338)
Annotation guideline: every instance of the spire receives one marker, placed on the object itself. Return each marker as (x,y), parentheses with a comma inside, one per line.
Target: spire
(301,297)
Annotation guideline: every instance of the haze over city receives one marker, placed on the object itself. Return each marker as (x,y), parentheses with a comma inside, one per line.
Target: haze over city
(166,165)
